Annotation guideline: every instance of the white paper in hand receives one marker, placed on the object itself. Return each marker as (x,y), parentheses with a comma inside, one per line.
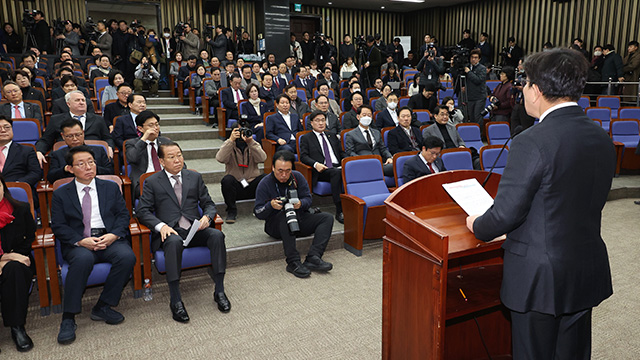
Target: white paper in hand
(192,231)
(470,195)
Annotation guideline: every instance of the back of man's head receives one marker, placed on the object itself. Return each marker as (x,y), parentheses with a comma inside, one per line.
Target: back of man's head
(558,73)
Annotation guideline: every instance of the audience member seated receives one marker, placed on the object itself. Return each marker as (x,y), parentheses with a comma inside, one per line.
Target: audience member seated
(267,91)
(146,76)
(455,115)
(142,153)
(425,100)
(268,207)
(185,71)
(177,64)
(389,62)
(110,92)
(231,96)
(323,89)
(427,161)
(17,230)
(365,140)
(17,162)
(170,215)
(28,92)
(388,117)
(73,136)
(15,108)
(448,133)
(247,78)
(254,109)
(283,126)
(348,67)
(410,62)
(350,119)
(297,105)
(126,126)
(240,155)
(211,88)
(118,108)
(414,87)
(303,81)
(377,85)
(355,88)
(327,77)
(82,83)
(103,70)
(284,74)
(87,236)
(93,125)
(332,123)
(405,136)
(29,60)
(228,71)
(278,83)
(70,84)
(321,150)
(392,75)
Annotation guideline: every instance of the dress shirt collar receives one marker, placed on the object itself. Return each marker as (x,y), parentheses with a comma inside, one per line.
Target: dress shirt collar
(80,186)
(556,107)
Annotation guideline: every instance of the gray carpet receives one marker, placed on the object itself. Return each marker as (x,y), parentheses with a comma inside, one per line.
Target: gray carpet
(277,316)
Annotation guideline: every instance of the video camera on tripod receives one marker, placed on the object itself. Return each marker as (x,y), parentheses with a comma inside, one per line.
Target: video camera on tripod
(58,26)
(90,30)
(28,22)
(178,30)
(460,57)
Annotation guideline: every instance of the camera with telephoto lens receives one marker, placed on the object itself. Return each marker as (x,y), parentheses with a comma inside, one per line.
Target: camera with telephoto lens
(58,26)
(431,50)
(244,128)
(360,41)
(494,104)
(460,57)
(179,29)
(90,31)
(288,202)
(27,18)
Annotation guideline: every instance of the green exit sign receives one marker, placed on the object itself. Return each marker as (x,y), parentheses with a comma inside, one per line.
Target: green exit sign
(297,7)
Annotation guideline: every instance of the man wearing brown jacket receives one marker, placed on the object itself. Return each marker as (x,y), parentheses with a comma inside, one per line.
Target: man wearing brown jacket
(631,68)
(241,155)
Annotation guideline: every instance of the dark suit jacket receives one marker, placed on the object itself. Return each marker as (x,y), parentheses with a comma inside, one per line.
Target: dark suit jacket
(311,151)
(549,203)
(269,96)
(82,83)
(349,120)
(308,89)
(137,157)
(57,93)
(384,119)
(30,111)
(356,144)
(252,116)
(66,212)
(280,84)
(415,168)
(18,235)
(228,96)
(124,130)
(57,163)
(22,165)
(419,102)
(158,202)
(398,141)
(95,129)
(112,111)
(276,127)
(60,106)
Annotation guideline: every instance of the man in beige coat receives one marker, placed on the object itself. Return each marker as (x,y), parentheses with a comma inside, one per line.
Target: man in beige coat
(631,69)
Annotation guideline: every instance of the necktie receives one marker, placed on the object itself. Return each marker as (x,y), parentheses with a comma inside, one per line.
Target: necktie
(414,144)
(86,212)
(304,83)
(17,114)
(183,222)
(2,158)
(154,158)
(431,168)
(277,82)
(327,153)
(238,96)
(369,141)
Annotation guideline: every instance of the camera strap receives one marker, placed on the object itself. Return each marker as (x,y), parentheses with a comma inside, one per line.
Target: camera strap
(248,157)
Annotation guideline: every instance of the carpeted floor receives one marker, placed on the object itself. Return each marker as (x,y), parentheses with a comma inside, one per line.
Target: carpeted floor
(277,316)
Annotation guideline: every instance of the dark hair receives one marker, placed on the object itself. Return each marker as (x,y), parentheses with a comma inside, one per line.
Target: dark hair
(29,55)
(429,87)
(392,94)
(370,38)
(354,94)
(235,75)
(632,42)
(365,107)
(511,39)
(144,116)
(466,31)
(266,74)
(484,34)
(78,149)
(132,97)
(320,95)
(284,155)
(64,68)
(321,83)
(66,78)
(69,123)
(9,120)
(17,72)
(9,82)
(292,85)
(431,142)
(192,57)
(166,144)
(7,193)
(389,86)
(609,47)
(316,113)
(440,107)
(447,99)
(510,71)
(123,85)
(558,73)
(577,38)
(104,56)
(283,95)
(200,66)
(355,82)
(476,52)
(549,45)
(404,108)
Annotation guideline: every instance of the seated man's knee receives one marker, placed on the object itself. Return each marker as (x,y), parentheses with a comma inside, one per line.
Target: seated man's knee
(228,181)
(172,241)
(81,257)
(215,237)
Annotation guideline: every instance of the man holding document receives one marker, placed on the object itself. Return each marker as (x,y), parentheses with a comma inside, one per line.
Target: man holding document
(549,203)
(169,206)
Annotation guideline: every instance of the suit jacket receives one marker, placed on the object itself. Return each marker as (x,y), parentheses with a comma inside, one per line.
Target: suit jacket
(244,84)
(419,102)
(112,111)
(301,107)
(311,151)
(158,202)
(211,88)
(433,130)
(58,92)
(228,98)
(549,203)
(308,88)
(415,168)
(138,158)
(269,96)
(356,144)
(333,123)
(57,163)
(60,106)
(252,116)
(104,43)
(398,141)
(278,86)
(22,165)
(124,130)
(66,212)
(276,127)
(30,111)
(18,235)
(384,119)
(349,120)
(95,129)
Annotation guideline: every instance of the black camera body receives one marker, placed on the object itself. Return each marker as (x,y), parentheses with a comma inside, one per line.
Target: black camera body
(58,26)
(494,104)
(90,30)
(179,29)
(460,57)
(27,18)
(245,130)
(360,41)
(288,201)
(431,50)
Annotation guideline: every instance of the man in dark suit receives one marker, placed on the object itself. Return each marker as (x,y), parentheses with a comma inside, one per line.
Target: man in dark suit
(126,126)
(304,82)
(29,60)
(612,68)
(425,100)
(278,83)
(365,140)
(427,161)
(332,123)
(119,107)
(74,136)
(267,92)
(231,96)
(15,108)
(140,150)
(67,71)
(91,222)
(321,150)
(388,117)
(93,125)
(404,137)
(59,105)
(169,206)
(283,126)
(549,203)
(514,53)
(17,162)
(350,119)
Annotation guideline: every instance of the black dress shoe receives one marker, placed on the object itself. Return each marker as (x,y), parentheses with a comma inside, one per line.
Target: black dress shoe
(340,217)
(298,270)
(179,312)
(20,337)
(637,202)
(223,303)
(315,263)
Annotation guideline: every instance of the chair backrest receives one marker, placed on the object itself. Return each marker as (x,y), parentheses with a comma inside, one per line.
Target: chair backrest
(240,105)
(498,132)
(629,113)
(601,113)
(343,103)
(470,134)
(493,84)
(22,192)
(343,84)
(444,93)
(100,82)
(39,105)
(409,72)
(331,94)
(584,102)
(385,135)
(373,102)
(362,176)
(99,93)
(457,159)
(298,137)
(398,164)
(612,102)
(489,154)
(40,80)
(342,134)
(626,131)
(61,182)
(372,92)
(265,118)
(403,101)
(26,131)
(344,93)
(422,115)
(302,94)
(61,144)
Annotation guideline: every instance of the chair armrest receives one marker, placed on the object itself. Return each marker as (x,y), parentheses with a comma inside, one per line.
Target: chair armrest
(192,98)
(180,91)
(619,147)
(205,108)
(269,147)
(218,222)
(306,171)
(172,86)
(221,114)
(116,161)
(44,189)
(352,199)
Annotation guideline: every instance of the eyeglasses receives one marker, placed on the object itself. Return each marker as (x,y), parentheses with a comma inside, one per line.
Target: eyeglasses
(6,127)
(84,165)
(12,91)
(73,136)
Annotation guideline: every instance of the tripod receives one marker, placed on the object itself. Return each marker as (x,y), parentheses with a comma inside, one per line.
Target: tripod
(29,39)
(364,74)
(460,82)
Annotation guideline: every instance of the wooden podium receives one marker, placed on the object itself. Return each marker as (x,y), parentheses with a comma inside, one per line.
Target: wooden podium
(429,257)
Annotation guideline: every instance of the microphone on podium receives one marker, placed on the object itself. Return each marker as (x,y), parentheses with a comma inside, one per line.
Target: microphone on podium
(516,131)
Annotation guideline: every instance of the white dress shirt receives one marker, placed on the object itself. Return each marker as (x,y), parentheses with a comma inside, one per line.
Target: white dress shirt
(394,115)
(172,181)
(556,107)
(83,119)
(96,217)
(373,139)
(433,164)
(334,158)
(20,107)
(287,120)
(5,151)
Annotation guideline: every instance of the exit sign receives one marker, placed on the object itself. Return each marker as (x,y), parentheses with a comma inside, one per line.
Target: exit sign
(297,7)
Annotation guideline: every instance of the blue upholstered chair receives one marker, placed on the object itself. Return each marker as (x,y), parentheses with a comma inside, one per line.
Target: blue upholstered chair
(627,113)
(612,102)
(488,156)
(601,113)
(498,132)
(26,131)
(584,102)
(398,164)
(457,159)
(423,116)
(322,188)
(470,133)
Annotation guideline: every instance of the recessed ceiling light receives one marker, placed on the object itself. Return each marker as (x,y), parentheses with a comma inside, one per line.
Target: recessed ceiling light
(330,3)
(381,7)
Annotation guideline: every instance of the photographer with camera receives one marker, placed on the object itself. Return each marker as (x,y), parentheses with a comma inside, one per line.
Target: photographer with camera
(502,97)
(240,155)
(40,31)
(219,43)
(476,87)
(283,200)
(372,61)
(190,42)
(104,40)
(431,66)
(512,54)
(146,76)
(70,38)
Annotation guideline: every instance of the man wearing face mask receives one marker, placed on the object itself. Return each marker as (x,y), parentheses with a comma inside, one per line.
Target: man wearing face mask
(388,117)
(365,140)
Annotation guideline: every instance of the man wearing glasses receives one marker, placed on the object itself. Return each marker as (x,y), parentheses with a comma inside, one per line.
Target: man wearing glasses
(17,162)
(118,108)
(16,108)
(427,161)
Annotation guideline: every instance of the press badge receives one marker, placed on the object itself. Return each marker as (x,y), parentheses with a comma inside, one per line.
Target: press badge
(244,183)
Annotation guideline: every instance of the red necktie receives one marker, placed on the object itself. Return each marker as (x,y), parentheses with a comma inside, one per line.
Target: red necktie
(154,158)
(238,96)
(17,114)
(2,158)
(430,168)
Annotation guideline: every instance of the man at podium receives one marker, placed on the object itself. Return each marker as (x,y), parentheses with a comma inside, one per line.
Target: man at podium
(549,203)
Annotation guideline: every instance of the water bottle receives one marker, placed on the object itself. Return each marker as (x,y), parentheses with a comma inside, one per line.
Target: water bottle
(148,295)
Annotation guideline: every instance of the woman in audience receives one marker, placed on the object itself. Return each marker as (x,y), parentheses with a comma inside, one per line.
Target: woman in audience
(264,67)
(381,104)
(254,108)
(176,65)
(198,79)
(392,74)
(12,39)
(348,67)
(504,94)
(455,115)
(414,88)
(115,78)
(314,68)
(256,71)
(32,77)
(28,92)
(17,232)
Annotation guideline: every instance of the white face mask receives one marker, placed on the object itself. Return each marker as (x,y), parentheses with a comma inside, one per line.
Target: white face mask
(356,90)
(166,35)
(365,121)
(392,105)
(597,53)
